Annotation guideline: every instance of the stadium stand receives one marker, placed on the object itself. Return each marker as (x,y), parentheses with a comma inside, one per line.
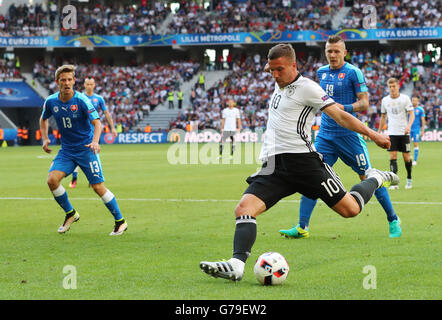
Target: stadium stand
(129,92)
(138,84)
(400,14)
(25,20)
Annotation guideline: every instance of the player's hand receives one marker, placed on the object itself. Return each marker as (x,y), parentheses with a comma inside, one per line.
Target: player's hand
(407,130)
(114,132)
(94,146)
(46,146)
(382,140)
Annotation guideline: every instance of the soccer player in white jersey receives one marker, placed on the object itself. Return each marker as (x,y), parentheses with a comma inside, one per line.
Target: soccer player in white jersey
(230,125)
(398,109)
(98,103)
(291,163)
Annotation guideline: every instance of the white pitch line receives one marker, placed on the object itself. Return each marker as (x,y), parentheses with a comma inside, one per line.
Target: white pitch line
(201,200)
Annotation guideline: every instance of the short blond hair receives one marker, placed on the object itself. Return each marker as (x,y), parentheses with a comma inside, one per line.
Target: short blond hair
(392,80)
(64,68)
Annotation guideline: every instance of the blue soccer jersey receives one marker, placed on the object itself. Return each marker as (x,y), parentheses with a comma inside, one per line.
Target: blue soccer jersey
(418,114)
(73,120)
(342,85)
(97,101)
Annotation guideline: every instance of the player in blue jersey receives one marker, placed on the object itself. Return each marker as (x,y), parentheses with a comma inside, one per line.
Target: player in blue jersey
(98,103)
(418,127)
(344,83)
(80,128)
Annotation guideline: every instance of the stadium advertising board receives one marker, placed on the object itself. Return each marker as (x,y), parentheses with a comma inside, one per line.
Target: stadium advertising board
(212,136)
(134,138)
(18,94)
(222,38)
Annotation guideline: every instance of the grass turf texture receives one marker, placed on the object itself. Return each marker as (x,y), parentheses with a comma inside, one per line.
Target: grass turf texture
(171,231)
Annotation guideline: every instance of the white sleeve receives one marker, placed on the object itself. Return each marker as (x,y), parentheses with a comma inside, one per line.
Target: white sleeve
(238,114)
(316,97)
(408,104)
(383,109)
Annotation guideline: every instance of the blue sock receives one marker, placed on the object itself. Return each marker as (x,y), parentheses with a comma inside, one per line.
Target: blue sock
(416,153)
(61,196)
(111,204)
(384,199)
(74,175)
(305,211)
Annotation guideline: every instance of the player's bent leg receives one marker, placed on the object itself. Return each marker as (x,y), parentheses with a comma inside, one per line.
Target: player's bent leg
(249,207)
(111,204)
(354,201)
(348,206)
(54,179)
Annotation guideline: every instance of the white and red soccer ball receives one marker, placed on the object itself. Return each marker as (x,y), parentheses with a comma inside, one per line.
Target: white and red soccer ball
(271,268)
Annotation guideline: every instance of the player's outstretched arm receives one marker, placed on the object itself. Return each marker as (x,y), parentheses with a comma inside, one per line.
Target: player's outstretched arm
(346,120)
(95,144)
(44,125)
(110,122)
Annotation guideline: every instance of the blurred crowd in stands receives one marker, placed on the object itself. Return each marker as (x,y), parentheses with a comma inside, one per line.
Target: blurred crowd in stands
(251,88)
(10,70)
(147,17)
(130,92)
(401,14)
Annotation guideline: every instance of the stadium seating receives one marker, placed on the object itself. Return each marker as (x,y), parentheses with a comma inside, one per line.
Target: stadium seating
(129,91)
(402,14)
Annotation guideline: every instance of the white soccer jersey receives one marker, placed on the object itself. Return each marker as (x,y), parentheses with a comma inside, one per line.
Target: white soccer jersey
(291,113)
(397,113)
(230,116)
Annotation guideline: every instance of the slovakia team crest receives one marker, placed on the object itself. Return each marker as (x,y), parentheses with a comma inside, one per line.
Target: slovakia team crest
(341,76)
(74,108)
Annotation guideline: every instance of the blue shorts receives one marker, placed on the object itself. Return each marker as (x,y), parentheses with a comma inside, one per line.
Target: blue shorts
(351,149)
(415,136)
(89,163)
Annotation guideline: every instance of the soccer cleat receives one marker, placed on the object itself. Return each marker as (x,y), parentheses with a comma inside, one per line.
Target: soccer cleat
(232,269)
(73,184)
(384,178)
(393,188)
(414,163)
(395,228)
(68,220)
(295,232)
(119,228)
(409,184)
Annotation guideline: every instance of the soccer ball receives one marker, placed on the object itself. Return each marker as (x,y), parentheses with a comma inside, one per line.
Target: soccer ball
(271,268)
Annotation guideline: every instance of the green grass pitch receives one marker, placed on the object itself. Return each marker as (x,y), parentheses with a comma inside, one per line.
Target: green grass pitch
(180,214)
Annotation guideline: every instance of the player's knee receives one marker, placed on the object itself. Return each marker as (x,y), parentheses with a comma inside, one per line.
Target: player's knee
(99,188)
(241,209)
(350,211)
(52,182)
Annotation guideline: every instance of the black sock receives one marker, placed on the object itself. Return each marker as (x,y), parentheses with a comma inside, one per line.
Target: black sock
(220,149)
(233,149)
(408,166)
(393,165)
(363,191)
(245,236)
